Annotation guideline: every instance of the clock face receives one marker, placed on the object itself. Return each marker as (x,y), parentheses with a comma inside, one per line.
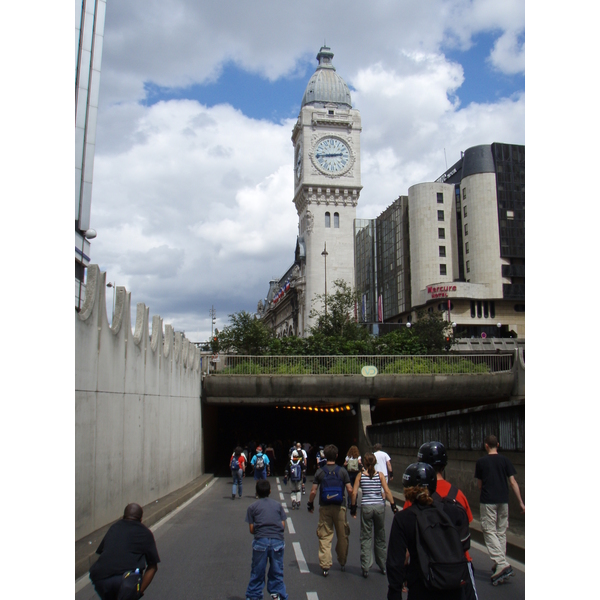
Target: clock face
(299,160)
(332,155)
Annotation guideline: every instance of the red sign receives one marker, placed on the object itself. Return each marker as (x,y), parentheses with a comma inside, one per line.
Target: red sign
(440,291)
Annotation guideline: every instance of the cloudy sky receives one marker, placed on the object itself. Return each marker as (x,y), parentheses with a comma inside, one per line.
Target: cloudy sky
(193,175)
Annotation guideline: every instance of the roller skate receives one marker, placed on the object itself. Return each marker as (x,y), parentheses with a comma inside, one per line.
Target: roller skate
(500,575)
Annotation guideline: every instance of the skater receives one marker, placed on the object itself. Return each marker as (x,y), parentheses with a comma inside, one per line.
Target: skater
(295,472)
(494,472)
(260,462)
(332,480)
(439,545)
(237,464)
(353,465)
(266,519)
(372,514)
(128,558)
(434,454)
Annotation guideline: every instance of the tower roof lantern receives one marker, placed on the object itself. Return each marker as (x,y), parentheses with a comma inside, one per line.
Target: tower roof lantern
(326,86)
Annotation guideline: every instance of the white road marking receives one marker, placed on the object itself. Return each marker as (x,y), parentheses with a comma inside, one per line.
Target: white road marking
(285,508)
(278,487)
(281,496)
(300,558)
(290,526)
(312,596)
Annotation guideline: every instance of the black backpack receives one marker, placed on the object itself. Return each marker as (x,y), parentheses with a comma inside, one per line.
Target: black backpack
(440,553)
(457,513)
(260,462)
(332,487)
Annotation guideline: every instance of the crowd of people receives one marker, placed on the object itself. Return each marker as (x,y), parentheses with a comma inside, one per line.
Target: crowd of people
(426,554)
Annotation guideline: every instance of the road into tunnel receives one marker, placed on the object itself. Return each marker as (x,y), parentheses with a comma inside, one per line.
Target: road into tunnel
(227,426)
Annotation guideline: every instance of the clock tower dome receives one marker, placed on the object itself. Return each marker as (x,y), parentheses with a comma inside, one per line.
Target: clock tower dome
(326,141)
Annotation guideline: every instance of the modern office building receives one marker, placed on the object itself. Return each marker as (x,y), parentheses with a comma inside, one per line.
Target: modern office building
(89,33)
(326,139)
(458,248)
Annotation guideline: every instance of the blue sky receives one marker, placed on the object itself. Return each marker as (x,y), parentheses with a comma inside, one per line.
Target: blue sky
(193,174)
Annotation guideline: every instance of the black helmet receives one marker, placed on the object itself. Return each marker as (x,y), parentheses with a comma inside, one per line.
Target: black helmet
(433,453)
(420,474)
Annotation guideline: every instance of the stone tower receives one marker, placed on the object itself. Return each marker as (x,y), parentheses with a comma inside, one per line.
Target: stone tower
(327,185)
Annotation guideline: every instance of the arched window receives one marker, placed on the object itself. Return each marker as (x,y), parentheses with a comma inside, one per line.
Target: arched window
(336,220)
(327,220)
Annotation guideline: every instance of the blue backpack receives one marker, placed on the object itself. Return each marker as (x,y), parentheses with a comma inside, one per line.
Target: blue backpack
(235,464)
(295,471)
(332,487)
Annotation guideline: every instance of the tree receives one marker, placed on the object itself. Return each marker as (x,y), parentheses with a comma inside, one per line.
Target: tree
(339,318)
(245,334)
(430,329)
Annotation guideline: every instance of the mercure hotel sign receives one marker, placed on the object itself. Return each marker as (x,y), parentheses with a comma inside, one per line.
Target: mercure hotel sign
(440,291)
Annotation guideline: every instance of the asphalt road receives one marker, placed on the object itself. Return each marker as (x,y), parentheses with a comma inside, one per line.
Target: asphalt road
(205,549)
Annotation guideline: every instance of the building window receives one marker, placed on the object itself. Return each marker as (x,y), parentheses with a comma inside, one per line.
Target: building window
(466,247)
(472,309)
(327,220)
(442,269)
(441,233)
(464,194)
(510,215)
(485,309)
(479,309)
(442,251)
(440,215)
(468,267)
(492,309)
(466,229)
(336,220)
(440,198)
(464,211)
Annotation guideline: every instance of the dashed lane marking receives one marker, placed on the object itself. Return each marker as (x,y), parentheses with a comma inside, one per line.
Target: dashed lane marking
(285,508)
(278,487)
(281,496)
(290,526)
(312,596)
(300,558)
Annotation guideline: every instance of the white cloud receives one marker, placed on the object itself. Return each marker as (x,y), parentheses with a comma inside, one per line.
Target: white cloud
(508,54)
(193,205)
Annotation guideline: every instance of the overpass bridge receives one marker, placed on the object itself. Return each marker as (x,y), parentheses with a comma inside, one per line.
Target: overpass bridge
(315,398)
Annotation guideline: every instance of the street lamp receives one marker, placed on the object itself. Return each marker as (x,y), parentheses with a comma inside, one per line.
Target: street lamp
(114,289)
(324,254)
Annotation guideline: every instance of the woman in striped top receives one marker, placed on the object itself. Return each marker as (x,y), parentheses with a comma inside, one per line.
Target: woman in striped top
(372,513)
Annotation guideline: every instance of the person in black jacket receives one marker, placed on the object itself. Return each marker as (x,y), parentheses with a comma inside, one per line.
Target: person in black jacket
(128,558)
(403,571)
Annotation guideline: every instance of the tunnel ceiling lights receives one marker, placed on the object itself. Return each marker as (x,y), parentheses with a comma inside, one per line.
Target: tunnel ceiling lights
(328,409)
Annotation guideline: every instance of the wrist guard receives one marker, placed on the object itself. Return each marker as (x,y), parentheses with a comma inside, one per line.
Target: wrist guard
(285,481)
(353,510)
(394,508)
(310,506)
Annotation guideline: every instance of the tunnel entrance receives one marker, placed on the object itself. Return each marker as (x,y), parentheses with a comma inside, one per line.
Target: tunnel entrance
(226,427)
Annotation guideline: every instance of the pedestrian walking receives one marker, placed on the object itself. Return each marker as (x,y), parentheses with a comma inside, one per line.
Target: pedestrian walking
(237,464)
(372,514)
(384,462)
(331,481)
(295,473)
(266,519)
(302,452)
(353,465)
(425,553)
(434,454)
(494,473)
(128,558)
(260,463)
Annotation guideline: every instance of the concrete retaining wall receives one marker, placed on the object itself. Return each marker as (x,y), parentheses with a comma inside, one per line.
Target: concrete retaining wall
(138,431)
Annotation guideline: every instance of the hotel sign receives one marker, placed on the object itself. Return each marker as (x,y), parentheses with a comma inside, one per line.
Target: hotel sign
(440,291)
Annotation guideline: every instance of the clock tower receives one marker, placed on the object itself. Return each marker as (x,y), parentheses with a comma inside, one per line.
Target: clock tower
(326,141)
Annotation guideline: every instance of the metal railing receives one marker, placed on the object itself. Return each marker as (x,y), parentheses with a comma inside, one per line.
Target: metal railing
(353,365)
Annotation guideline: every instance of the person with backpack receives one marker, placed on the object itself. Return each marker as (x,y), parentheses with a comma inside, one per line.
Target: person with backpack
(372,514)
(321,460)
(454,502)
(295,473)
(260,463)
(237,465)
(331,481)
(353,465)
(425,552)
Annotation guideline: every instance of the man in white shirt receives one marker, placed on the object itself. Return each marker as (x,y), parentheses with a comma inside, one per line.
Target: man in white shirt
(384,464)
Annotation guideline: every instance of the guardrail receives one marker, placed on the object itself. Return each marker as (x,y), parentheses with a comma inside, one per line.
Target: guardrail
(352,365)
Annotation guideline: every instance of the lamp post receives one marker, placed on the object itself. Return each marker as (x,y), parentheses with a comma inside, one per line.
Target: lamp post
(88,234)
(324,254)
(114,289)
